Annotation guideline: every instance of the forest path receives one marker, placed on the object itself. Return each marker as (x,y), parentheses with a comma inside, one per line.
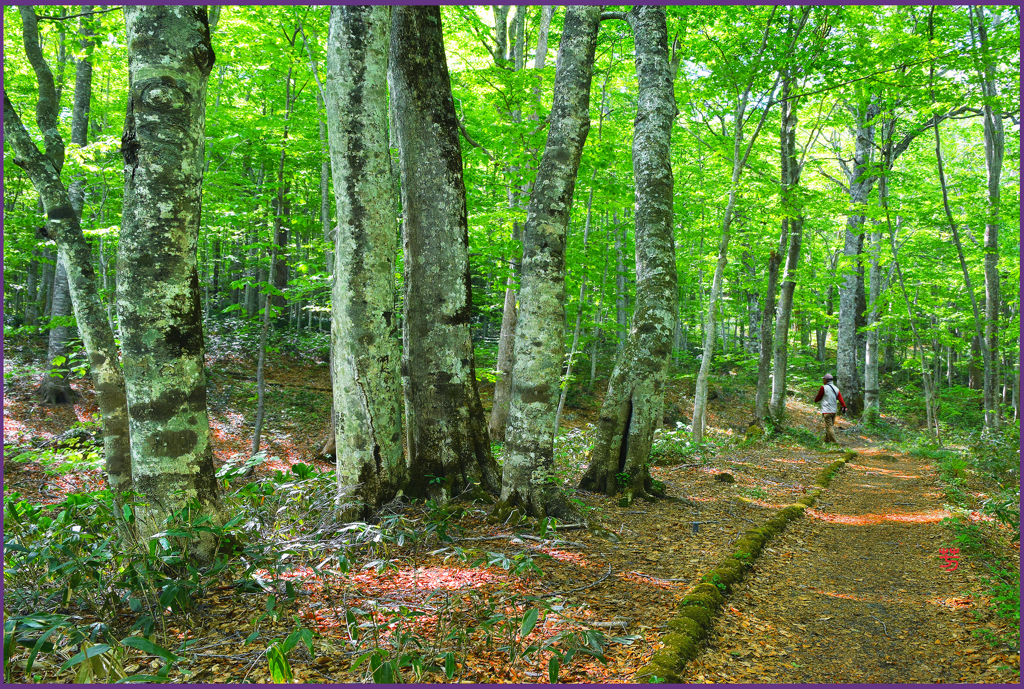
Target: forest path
(856,592)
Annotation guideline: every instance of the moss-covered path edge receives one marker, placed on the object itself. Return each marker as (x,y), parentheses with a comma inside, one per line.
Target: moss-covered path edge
(703,602)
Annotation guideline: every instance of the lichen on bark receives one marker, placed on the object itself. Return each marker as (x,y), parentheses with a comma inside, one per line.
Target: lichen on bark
(158,304)
(634,400)
(364,327)
(528,476)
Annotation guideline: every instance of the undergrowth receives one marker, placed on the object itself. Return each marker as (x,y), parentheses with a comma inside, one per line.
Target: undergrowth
(990,457)
(68,559)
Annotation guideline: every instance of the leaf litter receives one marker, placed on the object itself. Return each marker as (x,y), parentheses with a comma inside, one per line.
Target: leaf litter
(851,593)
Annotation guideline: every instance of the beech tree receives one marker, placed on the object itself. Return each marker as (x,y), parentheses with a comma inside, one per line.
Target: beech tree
(633,403)
(446,430)
(540,329)
(158,306)
(64,223)
(364,325)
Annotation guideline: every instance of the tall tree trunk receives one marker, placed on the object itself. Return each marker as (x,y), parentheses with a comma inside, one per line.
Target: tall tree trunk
(580,303)
(633,404)
(764,358)
(158,306)
(32,290)
(365,356)
(861,179)
(528,472)
(500,34)
(506,341)
(751,343)
(282,206)
(64,224)
(55,388)
(872,391)
(739,161)
(325,194)
(261,370)
(445,424)
(995,144)
(621,286)
(792,227)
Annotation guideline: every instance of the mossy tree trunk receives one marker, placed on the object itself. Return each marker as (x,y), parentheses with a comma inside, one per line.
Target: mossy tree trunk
(169,61)
(528,477)
(633,403)
(365,356)
(446,430)
(43,168)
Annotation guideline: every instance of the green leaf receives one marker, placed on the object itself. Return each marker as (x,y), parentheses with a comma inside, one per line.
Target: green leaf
(530,620)
(92,651)
(280,669)
(143,644)
(449,664)
(553,670)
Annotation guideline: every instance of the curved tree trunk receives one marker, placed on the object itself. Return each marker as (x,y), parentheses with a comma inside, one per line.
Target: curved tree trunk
(528,474)
(445,424)
(169,58)
(64,224)
(365,357)
(633,403)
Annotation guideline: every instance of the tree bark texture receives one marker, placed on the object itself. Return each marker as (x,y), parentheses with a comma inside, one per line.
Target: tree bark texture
(528,478)
(365,355)
(503,383)
(63,223)
(169,59)
(445,425)
(792,230)
(861,180)
(764,357)
(633,404)
(995,143)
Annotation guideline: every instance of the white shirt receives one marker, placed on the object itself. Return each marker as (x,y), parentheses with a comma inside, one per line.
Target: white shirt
(828,402)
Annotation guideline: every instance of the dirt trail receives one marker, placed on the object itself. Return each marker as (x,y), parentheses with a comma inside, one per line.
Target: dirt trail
(856,592)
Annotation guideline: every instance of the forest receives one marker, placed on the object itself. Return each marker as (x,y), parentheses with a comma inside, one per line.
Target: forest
(484,343)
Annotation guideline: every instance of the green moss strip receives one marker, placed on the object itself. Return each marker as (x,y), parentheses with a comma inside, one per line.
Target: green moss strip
(702,603)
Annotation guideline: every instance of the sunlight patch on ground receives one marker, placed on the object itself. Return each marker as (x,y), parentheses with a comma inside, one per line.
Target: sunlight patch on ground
(427,579)
(881,470)
(789,461)
(952,603)
(563,556)
(641,578)
(851,596)
(929,517)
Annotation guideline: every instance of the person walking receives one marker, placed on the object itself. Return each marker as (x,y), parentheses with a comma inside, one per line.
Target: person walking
(830,397)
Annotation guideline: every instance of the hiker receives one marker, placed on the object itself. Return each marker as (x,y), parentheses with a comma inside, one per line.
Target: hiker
(829,395)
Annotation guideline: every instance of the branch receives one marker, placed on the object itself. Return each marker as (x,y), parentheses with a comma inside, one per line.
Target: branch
(313,68)
(920,129)
(725,158)
(48,18)
(838,183)
(48,104)
(471,141)
(605,16)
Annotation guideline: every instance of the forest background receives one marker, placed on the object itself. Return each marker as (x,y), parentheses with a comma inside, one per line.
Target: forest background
(848,162)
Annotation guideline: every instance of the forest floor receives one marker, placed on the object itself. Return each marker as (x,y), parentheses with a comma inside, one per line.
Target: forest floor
(856,591)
